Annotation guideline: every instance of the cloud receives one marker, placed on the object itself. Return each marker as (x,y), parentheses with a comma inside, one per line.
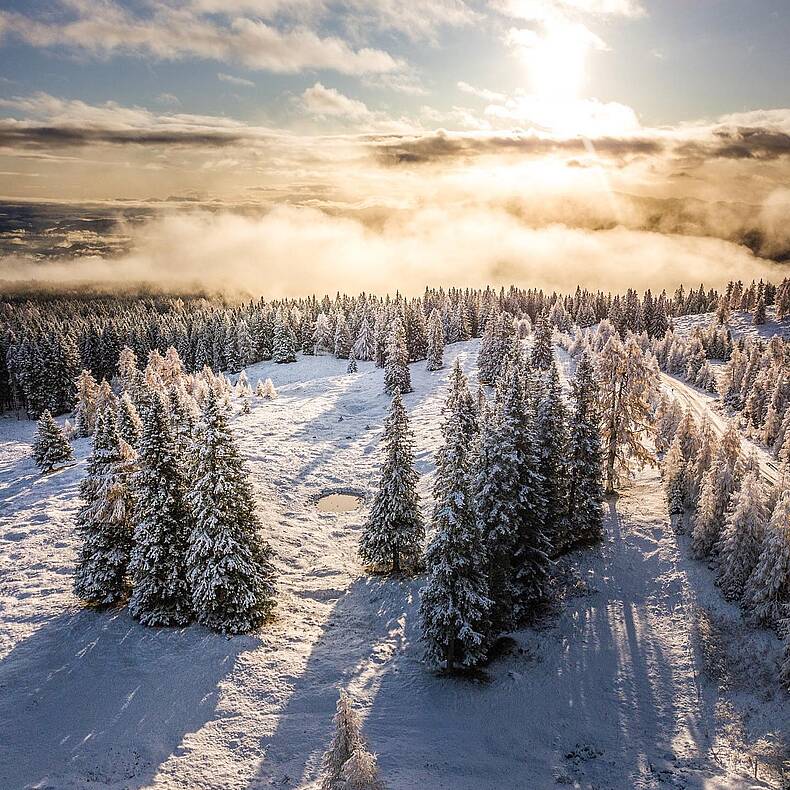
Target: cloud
(222,77)
(542,10)
(289,247)
(102,29)
(321,100)
(481,93)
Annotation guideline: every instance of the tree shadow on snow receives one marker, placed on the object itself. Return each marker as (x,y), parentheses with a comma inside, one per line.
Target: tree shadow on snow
(94,697)
(364,635)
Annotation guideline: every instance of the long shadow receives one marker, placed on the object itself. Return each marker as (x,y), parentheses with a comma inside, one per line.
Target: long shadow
(94,697)
(363,634)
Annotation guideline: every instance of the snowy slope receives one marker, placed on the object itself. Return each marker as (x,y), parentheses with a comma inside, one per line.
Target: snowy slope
(628,687)
(740,324)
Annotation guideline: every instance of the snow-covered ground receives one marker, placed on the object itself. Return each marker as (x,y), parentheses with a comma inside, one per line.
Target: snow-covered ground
(645,678)
(740,323)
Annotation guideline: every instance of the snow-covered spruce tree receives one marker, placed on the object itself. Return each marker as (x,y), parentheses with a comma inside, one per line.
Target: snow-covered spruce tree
(396,368)
(160,595)
(497,491)
(284,343)
(626,384)
(759,313)
(700,464)
(130,426)
(435,341)
(87,401)
(266,389)
(585,458)
(365,344)
(455,606)
(342,344)
(543,350)
(533,549)
(228,563)
(767,593)
(394,532)
(105,519)
(552,436)
(352,363)
(667,418)
(347,764)
(741,539)
(51,448)
(717,488)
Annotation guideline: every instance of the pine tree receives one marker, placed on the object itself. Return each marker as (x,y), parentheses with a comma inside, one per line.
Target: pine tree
(435,341)
(266,390)
(396,369)
(160,595)
(347,764)
(394,532)
(533,548)
(626,383)
(284,343)
(229,568)
(105,520)
(497,499)
(767,592)
(342,338)
(717,488)
(552,437)
(50,448)
(352,363)
(455,606)
(85,409)
(130,426)
(365,344)
(741,539)
(543,349)
(585,457)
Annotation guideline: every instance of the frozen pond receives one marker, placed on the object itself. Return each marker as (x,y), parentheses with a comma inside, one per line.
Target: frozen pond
(339,503)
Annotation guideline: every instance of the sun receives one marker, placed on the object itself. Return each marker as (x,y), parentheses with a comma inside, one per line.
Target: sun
(557,65)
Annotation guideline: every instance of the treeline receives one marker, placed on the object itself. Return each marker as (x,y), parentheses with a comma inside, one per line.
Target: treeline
(46,342)
(737,521)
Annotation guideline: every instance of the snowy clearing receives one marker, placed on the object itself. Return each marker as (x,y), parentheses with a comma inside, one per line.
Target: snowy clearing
(645,678)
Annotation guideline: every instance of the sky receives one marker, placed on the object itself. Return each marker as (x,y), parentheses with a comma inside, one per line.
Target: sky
(387,121)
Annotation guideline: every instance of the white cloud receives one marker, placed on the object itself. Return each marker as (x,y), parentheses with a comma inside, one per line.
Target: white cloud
(320,100)
(222,77)
(172,33)
(543,10)
(481,93)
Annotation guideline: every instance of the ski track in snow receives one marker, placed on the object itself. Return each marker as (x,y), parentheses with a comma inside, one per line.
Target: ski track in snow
(623,690)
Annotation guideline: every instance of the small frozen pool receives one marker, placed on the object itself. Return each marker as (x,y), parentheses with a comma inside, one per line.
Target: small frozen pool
(339,503)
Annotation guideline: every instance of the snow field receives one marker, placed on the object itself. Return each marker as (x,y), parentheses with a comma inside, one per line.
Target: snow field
(645,679)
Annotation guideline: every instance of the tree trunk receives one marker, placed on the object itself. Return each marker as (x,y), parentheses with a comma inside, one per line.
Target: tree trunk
(395,560)
(450,648)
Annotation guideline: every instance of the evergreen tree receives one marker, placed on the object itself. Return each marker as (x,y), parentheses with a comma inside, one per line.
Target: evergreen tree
(352,363)
(585,467)
(342,338)
(552,437)
(455,606)
(497,498)
(50,448)
(160,595)
(130,426)
(717,488)
(394,532)
(767,592)
(741,539)
(435,341)
(105,520)
(396,369)
(533,548)
(87,401)
(347,764)
(284,344)
(365,344)
(229,567)
(543,349)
